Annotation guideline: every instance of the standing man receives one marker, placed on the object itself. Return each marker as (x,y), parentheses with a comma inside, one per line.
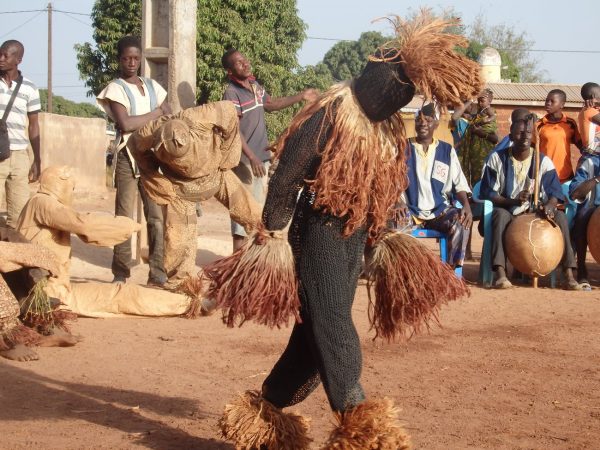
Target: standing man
(251,101)
(17,170)
(131,102)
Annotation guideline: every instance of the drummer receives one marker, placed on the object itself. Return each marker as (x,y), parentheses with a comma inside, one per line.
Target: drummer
(508,182)
(585,191)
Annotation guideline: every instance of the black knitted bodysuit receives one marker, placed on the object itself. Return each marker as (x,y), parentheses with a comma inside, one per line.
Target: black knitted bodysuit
(325,346)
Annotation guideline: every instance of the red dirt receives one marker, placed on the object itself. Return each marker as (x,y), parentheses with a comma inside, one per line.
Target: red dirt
(509,369)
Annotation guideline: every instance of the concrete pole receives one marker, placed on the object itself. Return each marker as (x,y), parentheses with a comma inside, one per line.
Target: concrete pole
(182,54)
(169,44)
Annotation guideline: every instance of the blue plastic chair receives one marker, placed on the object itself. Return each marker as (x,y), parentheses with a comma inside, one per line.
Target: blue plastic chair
(485,263)
(422,233)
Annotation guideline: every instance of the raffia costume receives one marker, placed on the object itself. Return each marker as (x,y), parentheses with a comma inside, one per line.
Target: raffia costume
(342,152)
(49,220)
(13,257)
(185,158)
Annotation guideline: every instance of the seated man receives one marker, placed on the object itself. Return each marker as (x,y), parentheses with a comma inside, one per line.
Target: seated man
(508,182)
(435,175)
(584,190)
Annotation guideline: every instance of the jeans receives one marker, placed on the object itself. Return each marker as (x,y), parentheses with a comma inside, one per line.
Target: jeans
(127,185)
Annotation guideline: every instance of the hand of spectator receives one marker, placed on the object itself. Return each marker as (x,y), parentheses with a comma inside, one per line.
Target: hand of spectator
(310,95)
(466,216)
(258,168)
(34,172)
(165,108)
(523,196)
(548,210)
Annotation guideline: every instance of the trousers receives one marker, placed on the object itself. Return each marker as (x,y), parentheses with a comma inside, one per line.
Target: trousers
(325,347)
(127,185)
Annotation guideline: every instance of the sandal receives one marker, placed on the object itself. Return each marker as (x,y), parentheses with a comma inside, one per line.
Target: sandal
(585,285)
(502,283)
(572,286)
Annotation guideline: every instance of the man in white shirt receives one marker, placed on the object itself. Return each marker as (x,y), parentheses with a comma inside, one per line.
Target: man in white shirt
(132,101)
(23,129)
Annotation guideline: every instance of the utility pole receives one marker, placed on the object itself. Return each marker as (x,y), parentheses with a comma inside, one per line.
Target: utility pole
(49,57)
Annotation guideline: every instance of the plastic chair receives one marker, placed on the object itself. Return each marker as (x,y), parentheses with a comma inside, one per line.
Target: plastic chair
(485,263)
(570,210)
(422,233)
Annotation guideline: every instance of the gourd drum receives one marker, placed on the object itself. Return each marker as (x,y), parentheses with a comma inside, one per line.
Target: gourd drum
(593,235)
(533,245)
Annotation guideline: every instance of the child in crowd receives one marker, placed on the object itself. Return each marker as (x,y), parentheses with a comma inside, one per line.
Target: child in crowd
(589,117)
(557,132)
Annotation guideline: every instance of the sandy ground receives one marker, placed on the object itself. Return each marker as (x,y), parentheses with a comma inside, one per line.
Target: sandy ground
(515,369)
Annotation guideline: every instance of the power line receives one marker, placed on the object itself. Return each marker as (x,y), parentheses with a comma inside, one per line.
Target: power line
(44,10)
(69,15)
(23,24)
(71,12)
(533,50)
(25,11)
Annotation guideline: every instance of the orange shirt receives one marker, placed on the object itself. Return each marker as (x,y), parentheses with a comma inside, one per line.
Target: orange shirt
(590,132)
(555,141)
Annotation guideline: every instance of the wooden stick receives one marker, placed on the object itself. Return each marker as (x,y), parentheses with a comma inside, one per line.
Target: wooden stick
(536,180)
(536,172)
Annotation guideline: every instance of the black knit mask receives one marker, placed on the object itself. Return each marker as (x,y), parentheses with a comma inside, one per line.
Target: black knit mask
(382,89)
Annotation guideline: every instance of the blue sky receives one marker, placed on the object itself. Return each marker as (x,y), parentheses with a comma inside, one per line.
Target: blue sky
(550,24)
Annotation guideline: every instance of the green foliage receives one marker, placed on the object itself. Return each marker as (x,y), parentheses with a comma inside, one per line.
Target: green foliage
(247,25)
(61,105)
(346,59)
(111,19)
(513,46)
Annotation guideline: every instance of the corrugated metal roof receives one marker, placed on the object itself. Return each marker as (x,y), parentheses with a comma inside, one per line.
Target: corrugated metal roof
(533,94)
(519,94)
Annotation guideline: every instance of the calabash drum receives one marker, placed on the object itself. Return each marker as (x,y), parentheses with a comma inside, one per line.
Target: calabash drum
(593,235)
(533,245)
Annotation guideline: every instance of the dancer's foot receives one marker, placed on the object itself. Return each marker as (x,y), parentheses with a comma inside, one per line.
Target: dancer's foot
(21,353)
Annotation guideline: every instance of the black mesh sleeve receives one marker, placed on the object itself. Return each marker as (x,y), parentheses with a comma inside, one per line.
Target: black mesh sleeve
(299,161)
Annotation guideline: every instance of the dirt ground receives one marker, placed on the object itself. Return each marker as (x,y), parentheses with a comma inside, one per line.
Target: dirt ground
(515,369)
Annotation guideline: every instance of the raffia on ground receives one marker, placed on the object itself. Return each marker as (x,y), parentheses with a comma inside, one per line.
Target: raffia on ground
(251,422)
(38,313)
(410,284)
(370,425)
(258,282)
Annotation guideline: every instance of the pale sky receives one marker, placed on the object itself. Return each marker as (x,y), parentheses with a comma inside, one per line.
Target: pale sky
(551,24)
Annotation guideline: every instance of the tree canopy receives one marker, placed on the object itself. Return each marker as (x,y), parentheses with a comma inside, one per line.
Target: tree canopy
(61,105)
(247,25)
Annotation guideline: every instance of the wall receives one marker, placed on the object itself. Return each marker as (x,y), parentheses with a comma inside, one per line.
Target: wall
(442,133)
(503,113)
(77,142)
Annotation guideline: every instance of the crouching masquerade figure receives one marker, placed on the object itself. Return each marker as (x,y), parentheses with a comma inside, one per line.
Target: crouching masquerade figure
(185,158)
(344,153)
(36,321)
(49,219)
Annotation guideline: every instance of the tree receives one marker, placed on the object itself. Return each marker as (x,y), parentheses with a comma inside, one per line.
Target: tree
(247,25)
(346,59)
(513,46)
(61,105)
